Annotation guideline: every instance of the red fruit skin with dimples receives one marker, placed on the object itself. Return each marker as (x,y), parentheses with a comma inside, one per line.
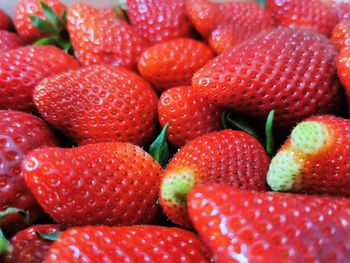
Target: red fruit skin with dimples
(9,41)
(5,21)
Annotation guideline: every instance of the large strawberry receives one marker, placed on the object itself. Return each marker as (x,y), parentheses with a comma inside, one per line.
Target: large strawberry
(188,115)
(30,245)
(342,8)
(314,159)
(159,20)
(99,104)
(314,15)
(26,9)
(173,63)
(99,38)
(9,41)
(288,70)
(247,226)
(22,68)
(102,184)
(128,244)
(19,133)
(5,21)
(227,157)
(341,35)
(343,67)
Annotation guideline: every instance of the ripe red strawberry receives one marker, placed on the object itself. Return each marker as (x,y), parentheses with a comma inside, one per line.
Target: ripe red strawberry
(341,35)
(227,157)
(29,246)
(342,8)
(9,41)
(159,20)
(314,15)
(22,68)
(247,226)
(97,184)
(314,158)
(27,8)
(128,244)
(19,133)
(99,104)
(5,21)
(173,63)
(286,70)
(343,65)
(99,38)
(188,115)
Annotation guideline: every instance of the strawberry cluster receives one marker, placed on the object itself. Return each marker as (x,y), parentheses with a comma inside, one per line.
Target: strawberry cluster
(148,131)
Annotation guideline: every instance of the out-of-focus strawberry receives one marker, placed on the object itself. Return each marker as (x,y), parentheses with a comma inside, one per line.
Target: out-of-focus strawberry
(341,35)
(9,41)
(173,63)
(5,21)
(99,103)
(159,20)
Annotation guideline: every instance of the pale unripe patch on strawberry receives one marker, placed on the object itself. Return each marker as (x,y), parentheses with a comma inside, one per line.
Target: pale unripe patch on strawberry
(176,185)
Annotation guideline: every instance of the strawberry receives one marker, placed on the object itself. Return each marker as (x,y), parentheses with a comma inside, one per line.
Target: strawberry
(248,226)
(173,63)
(99,38)
(159,20)
(128,244)
(341,35)
(313,15)
(343,65)
(314,158)
(29,247)
(22,68)
(5,21)
(288,70)
(227,157)
(19,133)
(9,41)
(27,8)
(342,8)
(188,115)
(99,104)
(97,184)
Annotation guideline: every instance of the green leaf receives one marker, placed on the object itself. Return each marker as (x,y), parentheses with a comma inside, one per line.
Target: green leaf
(64,17)
(12,211)
(49,236)
(159,149)
(5,245)
(42,25)
(52,17)
(262,3)
(270,144)
(47,41)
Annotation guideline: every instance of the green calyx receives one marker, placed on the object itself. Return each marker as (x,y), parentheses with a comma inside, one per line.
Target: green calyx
(5,245)
(49,236)
(159,149)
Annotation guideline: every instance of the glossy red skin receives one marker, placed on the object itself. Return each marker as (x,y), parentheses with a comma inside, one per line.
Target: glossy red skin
(98,37)
(341,8)
(5,21)
(19,133)
(343,66)
(270,227)
(159,20)
(22,69)
(188,115)
(27,8)
(9,41)
(29,247)
(173,63)
(267,72)
(314,15)
(99,104)
(128,244)
(341,35)
(97,184)
(227,157)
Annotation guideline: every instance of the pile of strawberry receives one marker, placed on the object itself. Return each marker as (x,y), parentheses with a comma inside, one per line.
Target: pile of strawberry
(148,132)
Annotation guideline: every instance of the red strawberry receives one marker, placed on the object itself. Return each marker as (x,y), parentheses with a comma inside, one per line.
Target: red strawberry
(188,115)
(99,104)
(343,65)
(5,21)
(341,35)
(314,15)
(247,226)
(159,20)
(342,8)
(288,70)
(19,133)
(27,8)
(29,246)
(9,41)
(314,159)
(227,157)
(22,68)
(173,63)
(101,184)
(128,244)
(98,38)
